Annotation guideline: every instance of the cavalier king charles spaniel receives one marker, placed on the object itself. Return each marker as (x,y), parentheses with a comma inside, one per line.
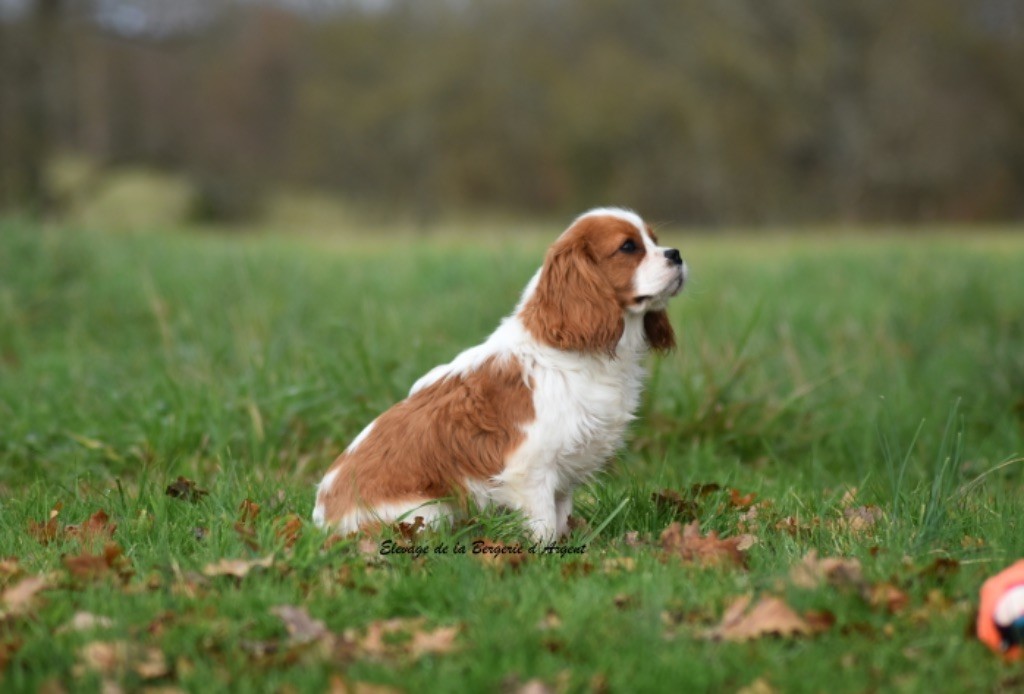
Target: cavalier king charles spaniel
(522,419)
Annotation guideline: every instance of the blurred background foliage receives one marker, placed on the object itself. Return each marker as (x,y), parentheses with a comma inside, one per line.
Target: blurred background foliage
(705,113)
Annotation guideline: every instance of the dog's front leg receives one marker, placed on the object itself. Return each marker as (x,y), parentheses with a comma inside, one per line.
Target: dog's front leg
(563,509)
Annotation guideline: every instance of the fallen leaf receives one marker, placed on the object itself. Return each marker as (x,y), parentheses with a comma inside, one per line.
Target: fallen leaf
(409,531)
(368,548)
(686,543)
(888,596)
(9,567)
(247,533)
(436,642)
(7,650)
(632,539)
(374,643)
(301,627)
(498,555)
(550,621)
(574,523)
(86,621)
(738,499)
(151,664)
(860,519)
(670,500)
(745,541)
(239,568)
(17,599)
(613,564)
(849,497)
(793,526)
(104,657)
(769,617)
(403,636)
(758,686)
(46,532)
(820,620)
(248,512)
(186,490)
(245,526)
(97,526)
(289,529)
(812,572)
(110,658)
(941,569)
(339,686)
(89,566)
(700,489)
(534,686)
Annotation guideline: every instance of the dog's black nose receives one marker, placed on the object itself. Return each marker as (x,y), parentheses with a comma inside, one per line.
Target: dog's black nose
(673,256)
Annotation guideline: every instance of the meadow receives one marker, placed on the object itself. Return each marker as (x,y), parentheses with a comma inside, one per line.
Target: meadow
(855,395)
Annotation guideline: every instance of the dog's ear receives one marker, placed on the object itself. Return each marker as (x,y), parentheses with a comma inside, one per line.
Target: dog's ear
(658,331)
(574,307)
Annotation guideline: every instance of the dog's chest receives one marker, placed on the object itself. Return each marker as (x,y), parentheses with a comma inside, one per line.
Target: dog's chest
(582,412)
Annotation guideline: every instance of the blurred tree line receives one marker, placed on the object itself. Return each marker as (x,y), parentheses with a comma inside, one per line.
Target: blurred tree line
(694,111)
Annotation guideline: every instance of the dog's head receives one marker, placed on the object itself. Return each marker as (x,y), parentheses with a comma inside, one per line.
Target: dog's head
(606,265)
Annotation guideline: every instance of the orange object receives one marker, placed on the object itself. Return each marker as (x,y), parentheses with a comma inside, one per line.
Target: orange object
(1001,613)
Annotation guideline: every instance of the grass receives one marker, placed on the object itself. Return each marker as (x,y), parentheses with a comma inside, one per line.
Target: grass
(807,366)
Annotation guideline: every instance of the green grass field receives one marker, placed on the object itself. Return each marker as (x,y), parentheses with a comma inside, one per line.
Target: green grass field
(867,390)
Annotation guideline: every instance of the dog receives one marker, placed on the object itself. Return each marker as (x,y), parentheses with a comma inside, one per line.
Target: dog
(524,418)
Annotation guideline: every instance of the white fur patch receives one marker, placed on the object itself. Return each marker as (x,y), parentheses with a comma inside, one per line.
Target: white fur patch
(432,512)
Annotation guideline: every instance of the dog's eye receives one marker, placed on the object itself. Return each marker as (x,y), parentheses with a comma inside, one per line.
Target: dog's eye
(628,247)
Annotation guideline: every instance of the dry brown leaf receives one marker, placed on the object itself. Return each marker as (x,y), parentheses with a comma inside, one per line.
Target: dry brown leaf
(550,621)
(374,642)
(151,664)
(686,543)
(18,598)
(89,566)
(339,686)
(888,596)
(289,529)
(793,526)
(498,555)
(941,569)
(613,564)
(186,490)
(9,567)
(86,621)
(110,658)
(632,539)
(409,531)
(534,686)
(97,526)
(47,531)
(685,509)
(248,512)
(7,650)
(239,568)
(104,657)
(247,534)
(301,627)
(738,499)
(769,617)
(849,497)
(840,572)
(403,636)
(860,519)
(436,642)
(758,686)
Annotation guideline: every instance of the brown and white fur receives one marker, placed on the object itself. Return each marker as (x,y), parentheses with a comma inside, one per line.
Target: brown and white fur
(522,419)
